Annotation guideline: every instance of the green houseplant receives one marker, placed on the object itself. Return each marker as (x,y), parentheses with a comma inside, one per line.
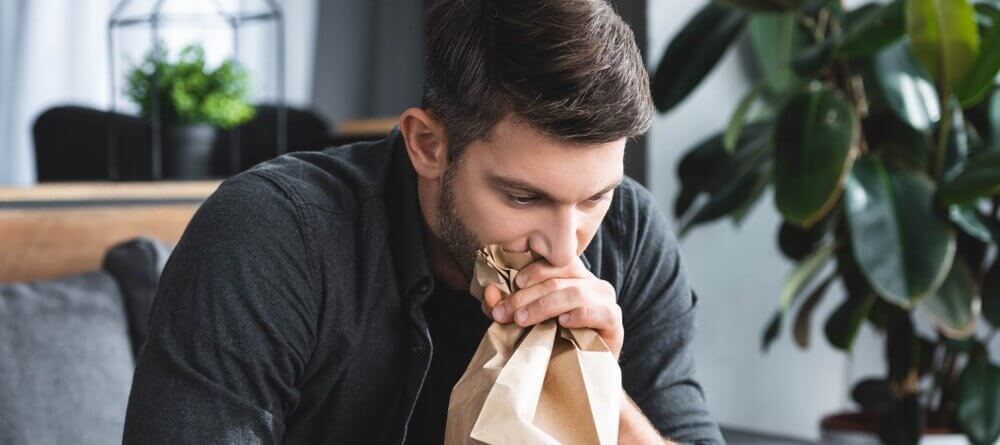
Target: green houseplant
(192,100)
(878,129)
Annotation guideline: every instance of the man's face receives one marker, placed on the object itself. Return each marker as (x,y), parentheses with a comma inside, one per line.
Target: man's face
(527,191)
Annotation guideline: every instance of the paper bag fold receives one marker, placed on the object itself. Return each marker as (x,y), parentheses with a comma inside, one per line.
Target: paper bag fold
(543,384)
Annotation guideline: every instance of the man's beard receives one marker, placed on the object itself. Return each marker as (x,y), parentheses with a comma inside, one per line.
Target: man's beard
(461,243)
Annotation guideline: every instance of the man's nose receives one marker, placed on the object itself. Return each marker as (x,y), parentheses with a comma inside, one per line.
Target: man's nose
(560,238)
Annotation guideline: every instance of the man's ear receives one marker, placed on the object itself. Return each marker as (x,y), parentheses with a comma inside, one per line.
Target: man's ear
(425,142)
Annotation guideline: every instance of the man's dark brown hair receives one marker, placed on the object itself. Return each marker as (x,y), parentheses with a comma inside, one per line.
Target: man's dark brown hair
(568,68)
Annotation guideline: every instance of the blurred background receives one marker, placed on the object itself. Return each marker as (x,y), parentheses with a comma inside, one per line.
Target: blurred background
(830,168)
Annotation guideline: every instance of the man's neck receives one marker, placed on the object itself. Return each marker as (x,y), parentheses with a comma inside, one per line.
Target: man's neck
(446,269)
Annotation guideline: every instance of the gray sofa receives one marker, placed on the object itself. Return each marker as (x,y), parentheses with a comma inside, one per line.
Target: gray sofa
(68,347)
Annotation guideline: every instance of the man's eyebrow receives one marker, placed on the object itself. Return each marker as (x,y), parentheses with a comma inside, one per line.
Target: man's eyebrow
(609,188)
(511,183)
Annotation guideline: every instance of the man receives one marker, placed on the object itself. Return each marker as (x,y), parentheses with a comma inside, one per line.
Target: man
(322,297)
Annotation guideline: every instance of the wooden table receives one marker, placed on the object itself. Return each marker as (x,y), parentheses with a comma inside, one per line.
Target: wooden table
(57,229)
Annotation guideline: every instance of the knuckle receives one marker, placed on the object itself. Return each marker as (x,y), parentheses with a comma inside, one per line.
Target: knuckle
(545,305)
(606,290)
(615,312)
(518,299)
(553,285)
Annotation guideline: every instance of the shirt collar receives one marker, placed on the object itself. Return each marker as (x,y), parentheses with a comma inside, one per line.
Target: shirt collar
(407,229)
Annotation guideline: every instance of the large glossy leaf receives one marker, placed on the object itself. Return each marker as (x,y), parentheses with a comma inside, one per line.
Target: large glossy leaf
(796,242)
(803,274)
(944,37)
(742,188)
(955,305)
(765,5)
(775,39)
(897,141)
(756,191)
(981,177)
(906,88)
(708,167)
(974,223)
(842,327)
(902,246)
(814,150)
(979,401)
(874,28)
(693,53)
(733,182)
(984,70)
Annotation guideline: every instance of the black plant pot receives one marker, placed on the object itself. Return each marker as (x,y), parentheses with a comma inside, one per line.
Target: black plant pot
(187,151)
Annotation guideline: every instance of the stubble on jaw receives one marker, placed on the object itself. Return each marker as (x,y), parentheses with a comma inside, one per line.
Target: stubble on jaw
(461,243)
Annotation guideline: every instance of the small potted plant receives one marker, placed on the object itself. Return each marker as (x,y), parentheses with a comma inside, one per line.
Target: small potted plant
(878,129)
(193,101)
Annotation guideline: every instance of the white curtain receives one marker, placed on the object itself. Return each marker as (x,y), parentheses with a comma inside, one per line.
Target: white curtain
(51,51)
(54,52)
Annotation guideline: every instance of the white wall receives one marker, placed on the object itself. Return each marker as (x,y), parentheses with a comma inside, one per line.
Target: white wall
(738,273)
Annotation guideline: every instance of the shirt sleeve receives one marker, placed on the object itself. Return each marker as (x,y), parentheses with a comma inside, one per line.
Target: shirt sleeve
(232,325)
(658,305)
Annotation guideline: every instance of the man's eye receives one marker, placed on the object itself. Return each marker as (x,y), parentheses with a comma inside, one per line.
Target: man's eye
(597,199)
(521,199)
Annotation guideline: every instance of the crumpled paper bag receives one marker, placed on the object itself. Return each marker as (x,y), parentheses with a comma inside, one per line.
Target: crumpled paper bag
(544,384)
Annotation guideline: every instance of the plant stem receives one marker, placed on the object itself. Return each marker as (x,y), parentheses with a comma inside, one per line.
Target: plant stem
(942,145)
(948,389)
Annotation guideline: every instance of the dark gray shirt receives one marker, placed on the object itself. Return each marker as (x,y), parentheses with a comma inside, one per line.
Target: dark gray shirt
(290,310)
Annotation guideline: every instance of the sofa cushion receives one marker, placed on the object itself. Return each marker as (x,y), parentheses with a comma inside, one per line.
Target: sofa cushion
(66,361)
(136,266)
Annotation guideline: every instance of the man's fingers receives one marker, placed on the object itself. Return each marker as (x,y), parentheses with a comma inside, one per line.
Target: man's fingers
(491,295)
(504,312)
(598,317)
(550,306)
(606,320)
(541,270)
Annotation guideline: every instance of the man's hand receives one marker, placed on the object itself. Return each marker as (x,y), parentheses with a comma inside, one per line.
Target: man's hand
(572,293)
(580,300)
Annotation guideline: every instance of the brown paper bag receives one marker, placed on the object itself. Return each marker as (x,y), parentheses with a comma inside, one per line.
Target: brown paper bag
(544,384)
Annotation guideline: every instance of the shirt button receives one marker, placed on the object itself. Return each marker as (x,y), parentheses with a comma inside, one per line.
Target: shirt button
(423,287)
(418,351)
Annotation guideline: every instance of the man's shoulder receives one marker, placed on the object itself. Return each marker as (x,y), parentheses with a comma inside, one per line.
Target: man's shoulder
(335,179)
(634,200)
(634,214)
(633,229)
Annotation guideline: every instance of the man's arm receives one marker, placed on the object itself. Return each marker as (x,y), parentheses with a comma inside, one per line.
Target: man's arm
(634,427)
(232,325)
(658,307)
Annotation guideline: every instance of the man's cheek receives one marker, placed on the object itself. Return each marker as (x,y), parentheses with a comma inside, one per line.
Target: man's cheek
(510,228)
